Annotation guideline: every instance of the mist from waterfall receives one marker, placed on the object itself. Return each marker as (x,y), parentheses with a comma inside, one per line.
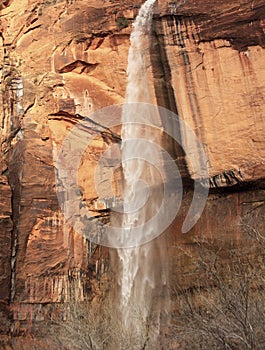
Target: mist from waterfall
(143,270)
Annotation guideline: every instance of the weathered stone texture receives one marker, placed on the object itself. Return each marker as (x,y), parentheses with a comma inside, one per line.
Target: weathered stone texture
(5,239)
(61,60)
(215,57)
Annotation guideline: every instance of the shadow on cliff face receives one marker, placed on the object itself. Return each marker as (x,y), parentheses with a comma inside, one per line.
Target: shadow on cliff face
(5,3)
(222,19)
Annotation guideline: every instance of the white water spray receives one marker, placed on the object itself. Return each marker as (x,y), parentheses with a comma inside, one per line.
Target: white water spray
(141,275)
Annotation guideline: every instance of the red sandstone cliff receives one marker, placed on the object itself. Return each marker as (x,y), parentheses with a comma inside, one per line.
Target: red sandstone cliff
(61,59)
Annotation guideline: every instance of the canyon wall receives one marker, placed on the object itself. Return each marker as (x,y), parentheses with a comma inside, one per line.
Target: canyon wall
(63,60)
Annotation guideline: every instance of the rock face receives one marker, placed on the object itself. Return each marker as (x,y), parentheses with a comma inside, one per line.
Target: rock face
(5,238)
(215,57)
(61,60)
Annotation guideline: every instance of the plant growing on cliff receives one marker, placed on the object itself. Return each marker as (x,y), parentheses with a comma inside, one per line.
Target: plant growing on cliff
(122,22)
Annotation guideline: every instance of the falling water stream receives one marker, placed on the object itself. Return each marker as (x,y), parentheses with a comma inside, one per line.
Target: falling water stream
(143,277)
(152,192)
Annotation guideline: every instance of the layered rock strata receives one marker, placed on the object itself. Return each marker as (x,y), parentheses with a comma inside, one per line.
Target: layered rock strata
(61,60)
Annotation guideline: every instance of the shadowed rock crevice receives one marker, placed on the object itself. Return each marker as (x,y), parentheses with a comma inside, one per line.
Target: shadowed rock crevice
(165,94)
(78,66)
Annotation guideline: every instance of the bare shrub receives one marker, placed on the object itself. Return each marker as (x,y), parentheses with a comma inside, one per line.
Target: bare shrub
(84,326)
(227,308)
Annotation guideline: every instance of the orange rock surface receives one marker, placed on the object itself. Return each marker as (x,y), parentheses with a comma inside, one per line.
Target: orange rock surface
(60,60)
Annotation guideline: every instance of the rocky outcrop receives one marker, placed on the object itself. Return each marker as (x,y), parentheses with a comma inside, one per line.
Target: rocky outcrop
(6,227)
(239,22)
(62,60)
(56,65)
(215,56)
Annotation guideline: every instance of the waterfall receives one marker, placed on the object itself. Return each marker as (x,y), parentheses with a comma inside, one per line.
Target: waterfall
(142,277)
(152,194)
